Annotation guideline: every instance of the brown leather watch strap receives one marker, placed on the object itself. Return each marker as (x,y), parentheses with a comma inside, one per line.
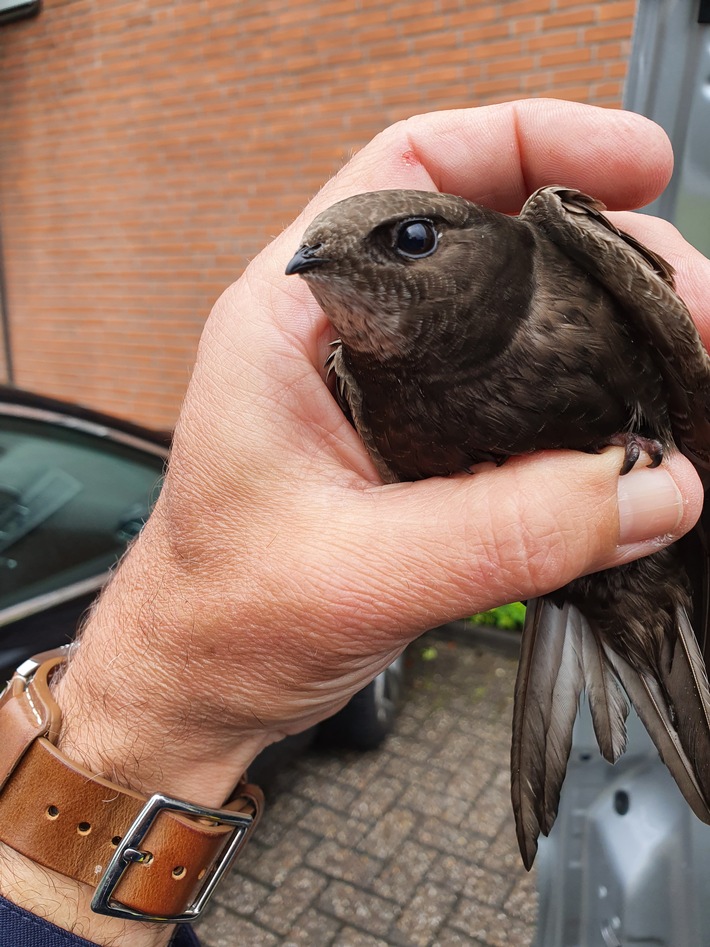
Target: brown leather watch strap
(67,819)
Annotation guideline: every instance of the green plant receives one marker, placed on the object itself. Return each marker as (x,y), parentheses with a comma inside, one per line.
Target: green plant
(507,616)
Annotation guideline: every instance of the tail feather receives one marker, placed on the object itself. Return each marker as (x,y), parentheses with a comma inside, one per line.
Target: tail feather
(607,700)
(651,704)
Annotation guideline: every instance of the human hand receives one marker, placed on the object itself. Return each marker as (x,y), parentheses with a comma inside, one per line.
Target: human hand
(277,576)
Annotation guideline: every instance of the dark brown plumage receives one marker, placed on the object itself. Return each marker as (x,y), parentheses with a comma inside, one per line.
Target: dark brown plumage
(466,335)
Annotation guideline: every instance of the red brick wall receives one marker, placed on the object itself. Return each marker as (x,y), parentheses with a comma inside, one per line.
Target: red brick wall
(147,150)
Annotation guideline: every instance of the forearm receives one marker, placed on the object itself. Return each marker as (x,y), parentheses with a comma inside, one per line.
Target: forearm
(126,718)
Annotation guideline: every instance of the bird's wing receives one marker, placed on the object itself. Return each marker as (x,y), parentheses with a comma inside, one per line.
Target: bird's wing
(694,550)
(682,739)
(349,395)
(561,656)
(643,283)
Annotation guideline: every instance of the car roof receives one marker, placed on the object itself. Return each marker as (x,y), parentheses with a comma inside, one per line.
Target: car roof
(10,396)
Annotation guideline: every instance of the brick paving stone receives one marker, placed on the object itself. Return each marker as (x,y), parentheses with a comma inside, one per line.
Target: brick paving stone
(503,854)
(522,900)
(470,780)
(435,727)
(416,710)
(413,844)
(314,929)
(409,725)
(350,937)
(329,792)
(284,809)
(351,768)
(448,937)
(360,908)
(221,928)
(492,926)
(433,791)
(329,823)
(447,838)
(406,770)
(279,911)
(459,749)
(243,898)
(452,809)
(272,865)
(425,914)
(492,812)
(388,833)
(472,881)
(377,797)
(404,871)
(490,743)
(409,748)
(362,769)
(336,861)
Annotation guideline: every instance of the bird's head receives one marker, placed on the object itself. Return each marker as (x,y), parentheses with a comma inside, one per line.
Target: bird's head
(383,264)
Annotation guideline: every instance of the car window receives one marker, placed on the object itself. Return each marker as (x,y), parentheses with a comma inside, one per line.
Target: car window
(70,502)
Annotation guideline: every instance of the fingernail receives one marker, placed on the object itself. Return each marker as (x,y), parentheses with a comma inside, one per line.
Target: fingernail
(650,505)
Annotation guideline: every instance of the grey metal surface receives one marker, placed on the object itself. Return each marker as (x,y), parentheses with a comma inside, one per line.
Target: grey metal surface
(669,81)
(627,862)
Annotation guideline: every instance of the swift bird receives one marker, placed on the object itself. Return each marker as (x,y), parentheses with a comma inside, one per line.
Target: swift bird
(467,336)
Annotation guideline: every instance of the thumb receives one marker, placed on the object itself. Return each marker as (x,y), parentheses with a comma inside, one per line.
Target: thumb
(452,547)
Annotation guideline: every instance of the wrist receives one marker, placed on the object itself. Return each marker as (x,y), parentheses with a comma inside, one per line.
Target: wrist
(67,904)
(133,695)
(151,861)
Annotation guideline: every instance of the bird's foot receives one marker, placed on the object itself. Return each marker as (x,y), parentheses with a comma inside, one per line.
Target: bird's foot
(633,444)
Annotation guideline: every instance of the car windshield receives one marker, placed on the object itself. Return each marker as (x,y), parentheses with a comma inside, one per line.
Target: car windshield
(70,501)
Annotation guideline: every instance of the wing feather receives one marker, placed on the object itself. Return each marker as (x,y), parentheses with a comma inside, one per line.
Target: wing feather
(643,283)
(651,704)
(547,691)
(685,680)
(565,705)
(607,700)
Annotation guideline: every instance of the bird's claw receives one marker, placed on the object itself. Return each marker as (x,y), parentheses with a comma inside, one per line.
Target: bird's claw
(633,444)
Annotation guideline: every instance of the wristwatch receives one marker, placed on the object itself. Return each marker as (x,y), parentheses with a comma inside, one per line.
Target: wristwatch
(150,858)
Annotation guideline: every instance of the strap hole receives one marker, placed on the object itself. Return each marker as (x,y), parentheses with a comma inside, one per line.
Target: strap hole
(52,812)
(83,828)
(202,874)
(116,841)
(179,871)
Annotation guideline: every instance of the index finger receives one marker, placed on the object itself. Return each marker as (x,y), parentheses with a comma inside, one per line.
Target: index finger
(692,269)
(498,155)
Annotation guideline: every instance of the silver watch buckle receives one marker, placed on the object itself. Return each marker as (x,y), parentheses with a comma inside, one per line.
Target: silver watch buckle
(129,851)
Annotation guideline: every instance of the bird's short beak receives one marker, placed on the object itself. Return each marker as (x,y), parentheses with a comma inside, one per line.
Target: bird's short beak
(305,258)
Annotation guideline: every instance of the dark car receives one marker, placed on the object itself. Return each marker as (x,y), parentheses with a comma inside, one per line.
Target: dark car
(75,487)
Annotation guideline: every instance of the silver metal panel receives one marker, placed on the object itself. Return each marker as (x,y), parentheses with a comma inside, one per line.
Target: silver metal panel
(669,81)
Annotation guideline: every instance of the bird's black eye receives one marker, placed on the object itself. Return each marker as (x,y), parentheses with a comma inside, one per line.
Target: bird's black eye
(415,239)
